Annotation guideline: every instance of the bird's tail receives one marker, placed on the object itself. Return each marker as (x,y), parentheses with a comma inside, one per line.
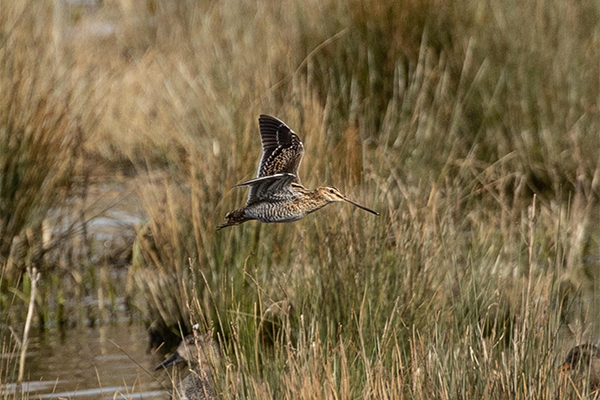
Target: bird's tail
(234,218)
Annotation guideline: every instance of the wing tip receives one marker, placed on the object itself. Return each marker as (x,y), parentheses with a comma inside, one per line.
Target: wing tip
(269,118)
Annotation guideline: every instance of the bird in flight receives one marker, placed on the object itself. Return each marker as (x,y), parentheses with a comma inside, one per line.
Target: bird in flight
(276,194)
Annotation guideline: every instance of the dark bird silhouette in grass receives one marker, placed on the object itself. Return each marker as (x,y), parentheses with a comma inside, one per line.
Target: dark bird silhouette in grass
(585,361)
(199,353)
(276,194)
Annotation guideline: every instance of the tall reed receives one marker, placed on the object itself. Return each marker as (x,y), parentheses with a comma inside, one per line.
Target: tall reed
(449,118)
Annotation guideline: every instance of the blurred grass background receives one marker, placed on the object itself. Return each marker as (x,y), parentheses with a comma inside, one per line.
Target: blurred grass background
(471,126)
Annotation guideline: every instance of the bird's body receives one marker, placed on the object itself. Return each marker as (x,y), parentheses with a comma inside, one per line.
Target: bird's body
(291,207)
(199,353)
(585,359)
(196,386)
(276,194)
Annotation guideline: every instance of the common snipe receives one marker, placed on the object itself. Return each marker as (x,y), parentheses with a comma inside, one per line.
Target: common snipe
(276,194)
(199,353)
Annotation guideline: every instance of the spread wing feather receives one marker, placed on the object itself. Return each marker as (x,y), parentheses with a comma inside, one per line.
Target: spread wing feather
(282,148)
(272,187)
(282,151)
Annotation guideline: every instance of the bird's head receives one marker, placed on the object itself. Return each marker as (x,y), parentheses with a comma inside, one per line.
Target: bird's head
(196,350)
(331,194)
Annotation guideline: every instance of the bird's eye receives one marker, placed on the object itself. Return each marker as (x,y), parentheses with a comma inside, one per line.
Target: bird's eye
(331,191)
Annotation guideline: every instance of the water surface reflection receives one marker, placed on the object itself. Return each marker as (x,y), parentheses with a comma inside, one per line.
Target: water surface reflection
(108,362)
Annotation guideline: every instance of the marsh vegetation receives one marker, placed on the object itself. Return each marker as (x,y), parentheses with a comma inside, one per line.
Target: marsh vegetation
(471,126)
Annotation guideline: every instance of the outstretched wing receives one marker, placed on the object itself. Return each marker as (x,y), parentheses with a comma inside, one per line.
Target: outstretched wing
(282,148)
(273,187)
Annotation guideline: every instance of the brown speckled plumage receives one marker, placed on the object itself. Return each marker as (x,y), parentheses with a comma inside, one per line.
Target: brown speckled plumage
(198,352)
(276,194)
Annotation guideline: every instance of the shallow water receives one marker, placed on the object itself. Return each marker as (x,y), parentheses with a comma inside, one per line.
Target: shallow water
(108,362)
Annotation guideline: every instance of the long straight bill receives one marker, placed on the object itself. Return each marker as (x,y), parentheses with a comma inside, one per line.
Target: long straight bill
(361,207)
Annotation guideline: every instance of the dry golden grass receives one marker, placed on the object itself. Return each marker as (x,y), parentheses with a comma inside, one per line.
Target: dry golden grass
(446,117)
